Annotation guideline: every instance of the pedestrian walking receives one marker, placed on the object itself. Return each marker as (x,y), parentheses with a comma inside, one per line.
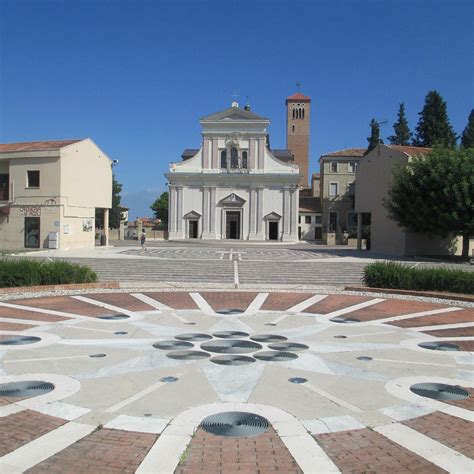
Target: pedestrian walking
(143,240)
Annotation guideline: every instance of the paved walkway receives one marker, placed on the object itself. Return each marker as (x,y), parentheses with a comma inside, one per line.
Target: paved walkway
(115,409)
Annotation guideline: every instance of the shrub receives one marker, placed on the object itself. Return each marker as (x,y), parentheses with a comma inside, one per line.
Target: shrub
(401,277)
(36,272)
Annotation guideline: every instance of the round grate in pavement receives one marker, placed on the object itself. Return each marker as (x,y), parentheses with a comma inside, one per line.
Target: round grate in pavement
(297,380)
(275,356)
(190,323)
(193,336)
(25,389)
(340,337)
(113,317)
(19,340)
(172,345)
(439,391)
(235,423)
(168,379)
(268,338)
(288,346)
(230,312)
(439,346)
(188,355)
(230,346)
(120,333)
(230,334)
(366,358)
(231,359)
(338,319)
(97,356)
(270,324)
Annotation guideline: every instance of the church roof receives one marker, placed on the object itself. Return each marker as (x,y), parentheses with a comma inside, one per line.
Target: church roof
(298,97)
(283,155)
(189,153)
(233,113)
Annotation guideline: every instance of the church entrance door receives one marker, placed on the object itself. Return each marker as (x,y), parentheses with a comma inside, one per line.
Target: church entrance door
(232,225)
(193,229)
(273,230)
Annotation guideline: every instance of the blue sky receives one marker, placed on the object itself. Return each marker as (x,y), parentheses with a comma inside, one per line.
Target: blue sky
(136,76)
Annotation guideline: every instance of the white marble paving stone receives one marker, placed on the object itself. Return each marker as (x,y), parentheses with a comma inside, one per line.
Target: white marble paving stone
(465,359)
(332,424)
(308,362)
(138,423)
(405,412)
(352,371)
(230,324)
(465,375)
(63,410)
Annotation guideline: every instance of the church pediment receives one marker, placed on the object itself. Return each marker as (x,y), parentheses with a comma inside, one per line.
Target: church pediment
(232,200)
(272,216)
(192,215)
(233,114)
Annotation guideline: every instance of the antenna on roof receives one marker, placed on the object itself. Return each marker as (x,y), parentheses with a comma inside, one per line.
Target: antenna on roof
(247,105)
(298,84)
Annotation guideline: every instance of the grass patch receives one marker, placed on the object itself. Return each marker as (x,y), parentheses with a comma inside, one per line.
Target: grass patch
(397,276)
(24,272)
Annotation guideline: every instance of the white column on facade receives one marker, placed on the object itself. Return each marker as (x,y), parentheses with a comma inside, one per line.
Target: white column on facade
(205,153)
(359,231)
(261,151)
(172,211)
(215,154)
(294,211)
(212,213)
(205,212)
(260,224)
(179,213)
(106,226)
(251,163)
(286,213)
(252,213)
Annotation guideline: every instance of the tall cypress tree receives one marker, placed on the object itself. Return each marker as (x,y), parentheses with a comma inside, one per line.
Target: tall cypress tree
(374,138)
(467,137)
(433,126)
(402,131)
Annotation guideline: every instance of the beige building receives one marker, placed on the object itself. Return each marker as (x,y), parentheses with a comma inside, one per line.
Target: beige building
(373,180)
(49,192)
(337,187)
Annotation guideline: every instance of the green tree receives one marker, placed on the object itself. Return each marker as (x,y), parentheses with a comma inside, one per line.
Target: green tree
(433,125)
(434,194)
(374,138)
(402,131)
(114,215)
(467,137)
(160,208)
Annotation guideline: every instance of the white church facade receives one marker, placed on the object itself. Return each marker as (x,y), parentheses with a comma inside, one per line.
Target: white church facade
(234,186)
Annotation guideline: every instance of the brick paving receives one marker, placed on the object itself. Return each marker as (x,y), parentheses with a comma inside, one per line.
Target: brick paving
(457,332)
(65,304)
(23,427)
(14,326)
(104,450)
(334,302)
(261,454)
(175,300)
(365,450)
(451,431)
(123,300)
(467,403)
(454,317)
(23,314)
(284,301)
(392,307)
(228,300)
(463,345)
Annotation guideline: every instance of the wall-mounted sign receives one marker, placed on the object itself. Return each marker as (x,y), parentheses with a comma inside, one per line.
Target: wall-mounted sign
(56,224)
(30,211)
(87,225)
(66,229)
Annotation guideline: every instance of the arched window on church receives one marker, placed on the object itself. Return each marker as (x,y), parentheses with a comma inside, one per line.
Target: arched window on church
(299,113)
(234,158)
(292,128)
(244,159)
(302,113)
(223,159)
(294,113)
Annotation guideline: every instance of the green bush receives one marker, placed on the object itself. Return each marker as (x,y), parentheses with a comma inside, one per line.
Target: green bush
(401,277)
(36,272)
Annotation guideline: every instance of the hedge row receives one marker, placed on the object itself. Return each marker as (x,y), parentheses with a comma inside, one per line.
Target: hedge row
(401,277)
(35,272)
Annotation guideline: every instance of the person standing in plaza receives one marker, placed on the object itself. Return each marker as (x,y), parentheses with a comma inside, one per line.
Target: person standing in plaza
(143,239)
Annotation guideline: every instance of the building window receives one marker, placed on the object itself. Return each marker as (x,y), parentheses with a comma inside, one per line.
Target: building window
(351,188)
(317,219)
(302,113)
(292,128)
(223,159)
(33,179)
(299,219)
(333,189)
(351,220)
(294,113)
(334,166)
(234,158)
(244,159)
(307,219)
(352,166)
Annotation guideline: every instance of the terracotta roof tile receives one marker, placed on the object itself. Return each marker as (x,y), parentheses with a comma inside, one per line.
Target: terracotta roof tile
(411,150)
(346,152)
(299,97)
(35,146)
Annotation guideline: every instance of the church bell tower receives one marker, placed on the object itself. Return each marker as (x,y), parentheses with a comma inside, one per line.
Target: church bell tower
(298,108)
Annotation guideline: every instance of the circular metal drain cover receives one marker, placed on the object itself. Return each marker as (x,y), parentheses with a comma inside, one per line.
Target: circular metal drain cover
(172,345)
(230,312)
(297,380)
(340,337)
(29,388)
(169,379)
(97,356)
(120,333)
(439,391)
(288,346)
(231,346)
(230,334)
(364,358)
(188,355)
(193,336)
(275,356)
(235,423)
(344,320)
(114,317)
(190,323)
(268,338)
(439,346)
(19,340)
(232,360)
(270,324)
